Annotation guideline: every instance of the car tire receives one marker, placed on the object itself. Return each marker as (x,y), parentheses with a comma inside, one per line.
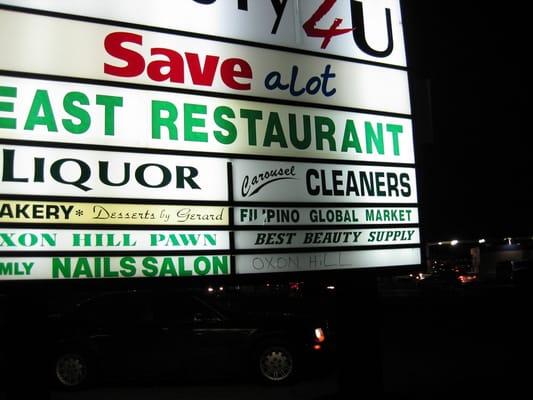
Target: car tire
(275,364)
(71,370)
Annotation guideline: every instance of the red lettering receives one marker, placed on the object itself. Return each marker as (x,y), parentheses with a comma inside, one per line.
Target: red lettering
(202,77)
(233,68)
(236,73)
(134,61)
(312,31)
(173,66)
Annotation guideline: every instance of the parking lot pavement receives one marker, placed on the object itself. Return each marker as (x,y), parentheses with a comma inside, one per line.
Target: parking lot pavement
(324,388)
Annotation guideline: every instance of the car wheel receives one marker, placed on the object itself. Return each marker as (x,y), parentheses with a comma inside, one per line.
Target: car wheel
(71,370)
(276,364)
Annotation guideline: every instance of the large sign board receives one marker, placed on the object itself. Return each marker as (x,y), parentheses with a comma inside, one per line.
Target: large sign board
(84,114)
(367,30)
(171,61)
(243,137)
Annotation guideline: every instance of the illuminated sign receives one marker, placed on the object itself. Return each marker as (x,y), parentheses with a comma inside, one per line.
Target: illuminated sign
(325,215)
(116,54)
(90,173)
(366,29)
(324,261)
(110,240)
(325,238)
(90,267)
(89,114)
(278,133)
(299,182)
(36,212)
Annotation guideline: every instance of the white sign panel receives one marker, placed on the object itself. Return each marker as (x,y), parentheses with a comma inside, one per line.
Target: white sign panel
(67,267)
(325,238)
(94,51)
(264,216)
(89,114)
(88,173)
(299,182)
(301,103)
(110,240)
(69,213)
(367,29)
(325,261)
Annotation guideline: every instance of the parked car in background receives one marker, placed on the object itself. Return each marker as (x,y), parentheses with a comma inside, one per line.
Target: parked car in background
(173,335)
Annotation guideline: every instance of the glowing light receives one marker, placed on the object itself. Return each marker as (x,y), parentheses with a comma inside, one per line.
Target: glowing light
(454,242)
(481,241)
(319,335)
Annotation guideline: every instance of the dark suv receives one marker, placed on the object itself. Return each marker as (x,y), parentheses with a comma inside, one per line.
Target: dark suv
(154,334)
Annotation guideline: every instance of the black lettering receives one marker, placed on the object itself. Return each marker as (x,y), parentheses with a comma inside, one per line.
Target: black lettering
(312,173)
(165,179)
(8,170)
(404,183)
(104,174)
(181,178)
(358,21)
(279,8)
(85,173)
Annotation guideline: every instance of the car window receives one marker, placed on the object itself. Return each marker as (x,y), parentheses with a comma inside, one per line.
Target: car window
(183,308)
(118,309)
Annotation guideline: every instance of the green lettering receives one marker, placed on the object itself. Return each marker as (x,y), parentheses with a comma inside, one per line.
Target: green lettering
(149,267)
(202,266)
(127,265)
(109,103)
(6,268)
(70,106)
(369,215)
(182,270)
(168,121)
(41,102)
(350,138)
(305,142)
(212,239)
(167,267)
(230,134)
(61,268)
(189,110)
(7,123)
(374,139)
(325,130)
(220,265)
(274,131)
(83,268)
(395,130)
(252,116)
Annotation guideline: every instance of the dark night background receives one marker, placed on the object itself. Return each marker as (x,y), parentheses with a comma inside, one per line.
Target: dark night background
(473,156)
(467,63)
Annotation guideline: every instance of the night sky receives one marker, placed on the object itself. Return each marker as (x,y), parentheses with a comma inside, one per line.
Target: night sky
(473,149)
